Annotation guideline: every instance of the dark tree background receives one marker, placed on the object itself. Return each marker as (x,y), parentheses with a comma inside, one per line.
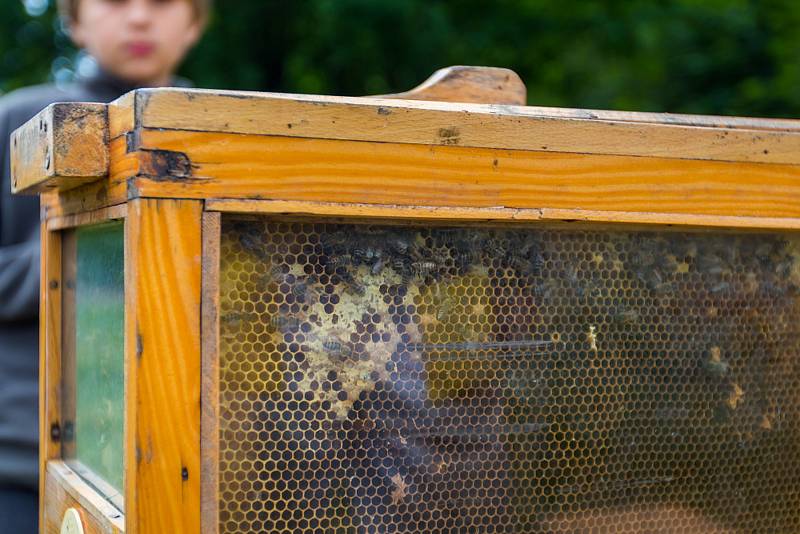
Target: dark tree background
(737,57)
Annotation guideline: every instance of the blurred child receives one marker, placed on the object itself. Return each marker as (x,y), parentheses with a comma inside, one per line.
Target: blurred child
(136,43)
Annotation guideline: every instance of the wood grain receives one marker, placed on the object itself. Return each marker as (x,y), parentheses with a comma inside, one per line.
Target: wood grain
(481,85)
(504,215)
(64,146)
(472,125)
(65,489)
(321,170)
(88,217)
(162,416)
(209,424)
(121,115)
(103,193)
(49,356)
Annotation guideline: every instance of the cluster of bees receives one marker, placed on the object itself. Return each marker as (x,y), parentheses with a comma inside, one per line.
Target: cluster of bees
(771,264)
(356,258)
(413,257)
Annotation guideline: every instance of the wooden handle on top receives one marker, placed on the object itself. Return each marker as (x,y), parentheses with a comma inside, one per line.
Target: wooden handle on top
(477,85)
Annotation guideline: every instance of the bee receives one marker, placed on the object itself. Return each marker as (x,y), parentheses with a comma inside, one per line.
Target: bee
(591,336)
(714,365)
(626,316)
(766,422)
(337,349)
(357,288)
(252,242)
(377,267)
(340,260)
(424,269)
(543,289)
(645,255)
(282,322)
(441,467)
(536,261)
(495,248)
(277,274)
(235,318)
(445,307)
(368,255)
(784,268)
(519,264)
(529,256)
(399,245)
(334,243)
(653,279)
(735,396)
(720,287)
(303,290)
(710,263)
(401,265)
(763,252)
(400,489)
(463,259)
(354,287)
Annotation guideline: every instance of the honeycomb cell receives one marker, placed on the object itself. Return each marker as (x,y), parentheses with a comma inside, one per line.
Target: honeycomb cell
(507,380)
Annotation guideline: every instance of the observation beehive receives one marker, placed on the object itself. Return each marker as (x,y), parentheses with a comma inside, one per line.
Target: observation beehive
(287,313)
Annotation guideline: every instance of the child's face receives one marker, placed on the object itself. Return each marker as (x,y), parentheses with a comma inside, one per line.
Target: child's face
(141,41)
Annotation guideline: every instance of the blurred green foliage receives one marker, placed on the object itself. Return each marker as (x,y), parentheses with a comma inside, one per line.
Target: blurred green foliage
(737,57)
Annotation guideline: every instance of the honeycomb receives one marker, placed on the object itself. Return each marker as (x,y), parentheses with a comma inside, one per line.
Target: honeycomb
(400,378)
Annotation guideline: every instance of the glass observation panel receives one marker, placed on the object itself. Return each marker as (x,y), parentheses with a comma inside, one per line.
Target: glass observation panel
(92,370)
(509,379)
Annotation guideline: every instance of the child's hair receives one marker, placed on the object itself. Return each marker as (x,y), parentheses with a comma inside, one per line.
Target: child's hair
(68,9)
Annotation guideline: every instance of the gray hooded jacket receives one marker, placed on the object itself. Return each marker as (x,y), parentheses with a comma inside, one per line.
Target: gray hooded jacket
(19,280)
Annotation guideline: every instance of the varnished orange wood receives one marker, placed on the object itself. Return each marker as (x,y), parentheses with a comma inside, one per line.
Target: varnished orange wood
(451,214)
(162,316)
(472,125)
(323,170)
(49,354)
(483,85)
(111,191)
(65,145)
(100,215)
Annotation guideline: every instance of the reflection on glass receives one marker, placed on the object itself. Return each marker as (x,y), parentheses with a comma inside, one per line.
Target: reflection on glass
(93,352)
(410,379)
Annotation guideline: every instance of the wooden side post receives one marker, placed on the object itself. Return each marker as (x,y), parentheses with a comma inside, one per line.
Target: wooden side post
(162,358)
(50,285)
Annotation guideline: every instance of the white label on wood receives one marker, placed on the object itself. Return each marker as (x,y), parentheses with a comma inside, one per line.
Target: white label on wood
(72,522)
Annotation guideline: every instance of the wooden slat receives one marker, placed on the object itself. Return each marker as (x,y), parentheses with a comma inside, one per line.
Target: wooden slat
(209,425)
(319,170)
(88,217)
(49,356)
(121,115)
(472,215)
(66,357)
(480,85)
(65,489)
(64,146)
(162,408)
(472,125)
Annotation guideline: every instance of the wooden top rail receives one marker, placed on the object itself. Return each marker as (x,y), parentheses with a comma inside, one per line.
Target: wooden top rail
(431,147)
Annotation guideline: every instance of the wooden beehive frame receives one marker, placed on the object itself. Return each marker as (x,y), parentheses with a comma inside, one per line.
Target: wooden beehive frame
(169,161)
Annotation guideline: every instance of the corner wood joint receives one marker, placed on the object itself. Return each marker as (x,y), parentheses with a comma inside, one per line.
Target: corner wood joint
(63,147)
